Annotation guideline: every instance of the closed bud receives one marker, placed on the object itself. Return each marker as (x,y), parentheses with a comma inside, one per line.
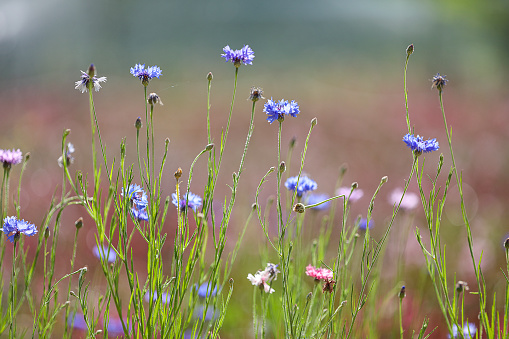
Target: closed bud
(209,147)
(210,76)
(166,142)
(410,49)
(79,223)
(506,244)
(282,167)
(254,206)
(299,208)
(402,292)
(385,179)
(178,173)
(461,286)
(138,123)
(314,122)
(66,132)
(46,233)
(91,70)
(27,156)
(355,185)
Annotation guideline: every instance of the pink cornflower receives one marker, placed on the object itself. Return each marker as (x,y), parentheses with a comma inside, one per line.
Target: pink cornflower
(356,194)
(319,273)
(409,202)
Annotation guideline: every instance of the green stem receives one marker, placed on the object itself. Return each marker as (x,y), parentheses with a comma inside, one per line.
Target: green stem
(12,332)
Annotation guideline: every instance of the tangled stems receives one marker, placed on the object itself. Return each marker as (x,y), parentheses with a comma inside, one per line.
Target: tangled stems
(480,284)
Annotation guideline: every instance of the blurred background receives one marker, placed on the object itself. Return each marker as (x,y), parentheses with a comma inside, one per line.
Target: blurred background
(342,61)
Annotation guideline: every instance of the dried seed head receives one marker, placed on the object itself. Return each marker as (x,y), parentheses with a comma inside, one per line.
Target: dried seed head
(299,208)
(178,173)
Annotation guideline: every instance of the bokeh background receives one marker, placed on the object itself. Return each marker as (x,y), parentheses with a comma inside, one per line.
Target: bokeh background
(341,60)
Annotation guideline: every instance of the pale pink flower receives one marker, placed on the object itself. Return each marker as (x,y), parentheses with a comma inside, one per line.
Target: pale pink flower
(409,202)
(263,278)
(356,194)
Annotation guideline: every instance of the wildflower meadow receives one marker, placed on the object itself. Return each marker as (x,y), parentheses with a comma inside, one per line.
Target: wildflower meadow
(191,250)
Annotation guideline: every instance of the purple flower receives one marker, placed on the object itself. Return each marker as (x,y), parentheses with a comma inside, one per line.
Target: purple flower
(210,314)
(278,110)
(363,224)
(104,251)
(87,79)
(439,81)
(239,56)
(145,75)
(13,228)
(419,146)
(316,198)
(205,290)
(303,185)
(469,330)
(9,158)
(136,196)
(77,321)
(139,214)
(193,201)
(115,326)
(165,297)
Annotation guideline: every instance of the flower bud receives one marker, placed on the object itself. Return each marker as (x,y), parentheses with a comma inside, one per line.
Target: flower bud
(410,49)
(138,123)
(210,76)
(178,173)
(506,244)
(385,179)
(91,70)
(314,122)
(79,223)
(461,286)
(282,167)
(46,233)
(299,208)
(355,185)
(209,147)
(402,292)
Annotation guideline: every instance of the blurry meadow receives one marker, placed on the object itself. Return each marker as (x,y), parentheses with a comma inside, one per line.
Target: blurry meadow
(343,63)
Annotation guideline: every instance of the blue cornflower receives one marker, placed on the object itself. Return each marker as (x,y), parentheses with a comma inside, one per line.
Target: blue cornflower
(303,185)
(165,297)
(210,314)
(239,56)
(13,228)
(139,214)
(89,79)
(439,81)
(469,330)
(69,159)
(9,158)
(193,201)
(316,198)
(418,145)
(145,75)
(136,196)
(77,321)
(278,110)
(104,251)
(363,224)
(205,290)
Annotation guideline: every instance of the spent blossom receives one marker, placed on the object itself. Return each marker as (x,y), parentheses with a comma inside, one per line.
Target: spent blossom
(69,159)
(192,201)
(239,56)
(146,74)
(89,80)
(303,185)
(439,81)
(264,278)
(418,145)
(10,157)
(13,228)
(278,110)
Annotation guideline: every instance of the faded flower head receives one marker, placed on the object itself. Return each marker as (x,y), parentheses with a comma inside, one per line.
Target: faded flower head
(439,81)
(145,75)
(239,56)
(89,80)
(278,110)
(409,202)
(153,99)
(256,94)
(356,193)
(9,158)
(193,201)
(468,331)
(419,146)
(262,279)
(13,228)
(105,252)
(303,185)
(69,159)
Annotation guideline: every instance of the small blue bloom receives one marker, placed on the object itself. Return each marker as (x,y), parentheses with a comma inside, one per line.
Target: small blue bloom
(237,57)
(469,330)
(165,297)
(9,158)
(115,327)
(303,185)
(140,215)
(136,196)
(77,321)
(439,81)
(87,79)
(193,201)
(145,75)
(205,290)
(418,145)
(278,110)
(316,198)
(209,314)
(363,223)
(104,251)
(13,228)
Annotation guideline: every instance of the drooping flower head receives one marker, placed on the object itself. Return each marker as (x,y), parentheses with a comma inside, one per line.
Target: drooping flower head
(137,197)
(319,273)
(206,290)
(316,198)
(69,159)
(262,279)
(418,145)
(278,110)
(89,80)
(469,330)
(105,252)
(439,81)
(303,185)
(363,224)
(9,158)
(13,228)
(193,201)
(239,56)
(145,75)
